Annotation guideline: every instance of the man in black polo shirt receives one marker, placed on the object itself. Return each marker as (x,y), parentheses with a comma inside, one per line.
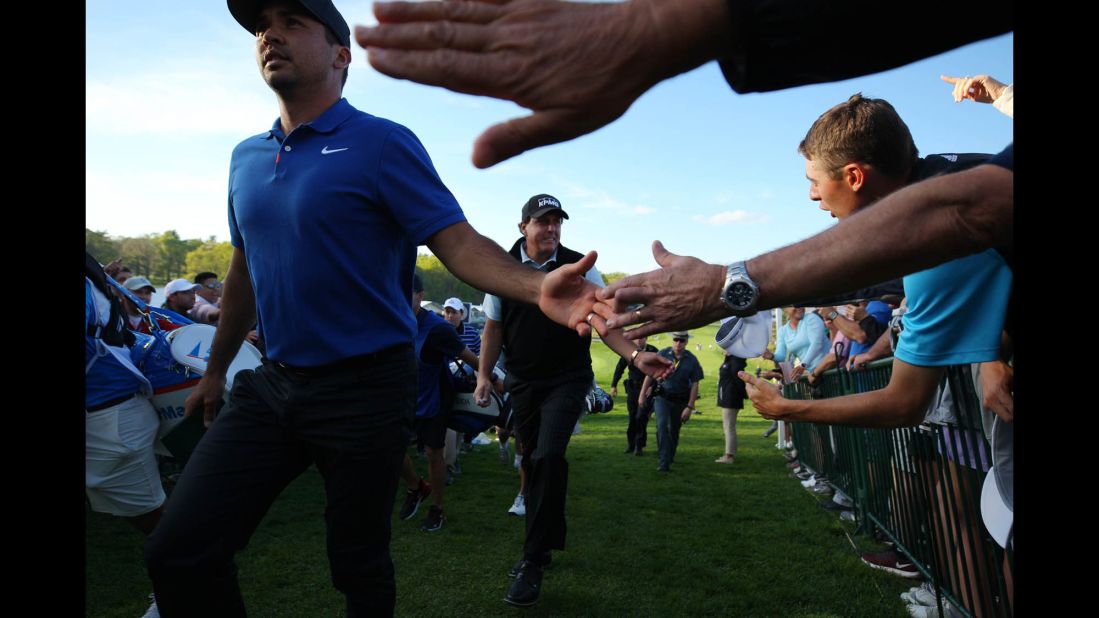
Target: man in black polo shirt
(636,437)
(674,397)
(548,375)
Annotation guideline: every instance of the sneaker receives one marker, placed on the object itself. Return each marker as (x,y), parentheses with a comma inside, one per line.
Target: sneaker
(823,489)
(932,611)
(639,451)
(435,519)
(848,516)
(830,505)
(725,459)
(505,453)
(456,468)
(629,450)
(152,612)
(412,500)
(921,595)
(809,482)
(663,468)
(519,507)
(843,500)
(891,561)
(803,475)
(793,465)
(527,585)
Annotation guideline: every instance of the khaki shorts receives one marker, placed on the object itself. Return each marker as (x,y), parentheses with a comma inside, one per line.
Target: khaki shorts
(120,470)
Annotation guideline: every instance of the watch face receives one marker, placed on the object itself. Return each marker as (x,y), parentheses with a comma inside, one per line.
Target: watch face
(740,295)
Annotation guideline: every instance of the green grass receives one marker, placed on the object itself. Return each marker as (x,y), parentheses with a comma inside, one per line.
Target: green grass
(705,540)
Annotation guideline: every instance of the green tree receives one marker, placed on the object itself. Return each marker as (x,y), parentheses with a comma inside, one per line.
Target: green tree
(140,254)
(172,254)
(211,256)
(102,247)
(610,278)
(440,284)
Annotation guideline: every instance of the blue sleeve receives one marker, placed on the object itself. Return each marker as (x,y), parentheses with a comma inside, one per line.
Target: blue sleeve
(956,311)
(412,190)
(780,344)
(818,340)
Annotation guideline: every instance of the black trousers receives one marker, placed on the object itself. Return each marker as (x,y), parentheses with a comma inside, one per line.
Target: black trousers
(546,412)
(350,422)
(636,435)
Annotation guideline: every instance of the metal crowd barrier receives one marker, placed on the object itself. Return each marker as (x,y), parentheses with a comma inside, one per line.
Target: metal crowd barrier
(919,486)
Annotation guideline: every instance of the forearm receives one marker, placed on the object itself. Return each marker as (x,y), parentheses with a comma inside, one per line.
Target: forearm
(920,226)
(684,34)
(902,403)
(483,264)
(469,358)
(491,340)
(238,314)
(621,346)
(850,328)
(881,347)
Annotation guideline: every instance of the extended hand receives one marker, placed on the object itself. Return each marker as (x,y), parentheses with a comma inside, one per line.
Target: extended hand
(979,88)
(683,293)
(653,364)
(567,297)
(766,397)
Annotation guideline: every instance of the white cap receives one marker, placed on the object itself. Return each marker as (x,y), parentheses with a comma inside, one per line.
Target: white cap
(180,285)
(454,304)
(746,337)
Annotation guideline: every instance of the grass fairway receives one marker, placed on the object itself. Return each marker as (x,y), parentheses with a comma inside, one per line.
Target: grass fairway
(704,540)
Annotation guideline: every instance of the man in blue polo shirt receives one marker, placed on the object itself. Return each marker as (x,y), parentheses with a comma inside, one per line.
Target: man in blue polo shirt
(326,209)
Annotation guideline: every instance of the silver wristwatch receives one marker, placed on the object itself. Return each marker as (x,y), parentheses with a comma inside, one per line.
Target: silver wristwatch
(740,293)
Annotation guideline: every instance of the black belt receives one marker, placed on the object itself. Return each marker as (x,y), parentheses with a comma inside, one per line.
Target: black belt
(107,404)
(354,362)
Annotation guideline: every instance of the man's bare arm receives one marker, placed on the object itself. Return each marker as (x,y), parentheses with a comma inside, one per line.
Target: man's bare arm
(920,226)
(238,314)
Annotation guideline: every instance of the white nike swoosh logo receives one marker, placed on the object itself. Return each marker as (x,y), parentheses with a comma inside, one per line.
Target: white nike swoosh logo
(325,150)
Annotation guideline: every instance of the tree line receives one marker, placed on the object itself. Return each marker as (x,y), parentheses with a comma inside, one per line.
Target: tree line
(165,256)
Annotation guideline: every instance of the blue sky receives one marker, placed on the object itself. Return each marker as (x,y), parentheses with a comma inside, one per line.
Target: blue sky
(172,87)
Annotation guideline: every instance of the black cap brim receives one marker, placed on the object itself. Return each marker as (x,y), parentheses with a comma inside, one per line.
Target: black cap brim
(539,213)
(246,11)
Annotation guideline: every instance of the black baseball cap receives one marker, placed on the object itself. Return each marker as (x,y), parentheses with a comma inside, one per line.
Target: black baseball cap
(246,11)
(541,204)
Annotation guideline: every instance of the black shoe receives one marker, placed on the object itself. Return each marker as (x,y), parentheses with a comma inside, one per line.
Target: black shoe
(435,519)
(527,585)
(629,449)
(639,451)
(544,563)
(663,468)
(412,500)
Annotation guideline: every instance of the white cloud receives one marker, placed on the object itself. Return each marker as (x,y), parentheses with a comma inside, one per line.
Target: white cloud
(742,217)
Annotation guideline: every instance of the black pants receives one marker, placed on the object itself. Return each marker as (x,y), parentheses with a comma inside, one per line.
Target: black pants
(546,412)
(636,435)
(350,422)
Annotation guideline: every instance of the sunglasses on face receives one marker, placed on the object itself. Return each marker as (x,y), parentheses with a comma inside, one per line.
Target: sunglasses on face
(679,340)
(213,286)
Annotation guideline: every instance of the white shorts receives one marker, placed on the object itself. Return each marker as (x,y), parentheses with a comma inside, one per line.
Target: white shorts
(121,475)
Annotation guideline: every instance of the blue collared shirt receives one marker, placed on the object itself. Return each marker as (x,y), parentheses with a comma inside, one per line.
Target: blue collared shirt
(329,218)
